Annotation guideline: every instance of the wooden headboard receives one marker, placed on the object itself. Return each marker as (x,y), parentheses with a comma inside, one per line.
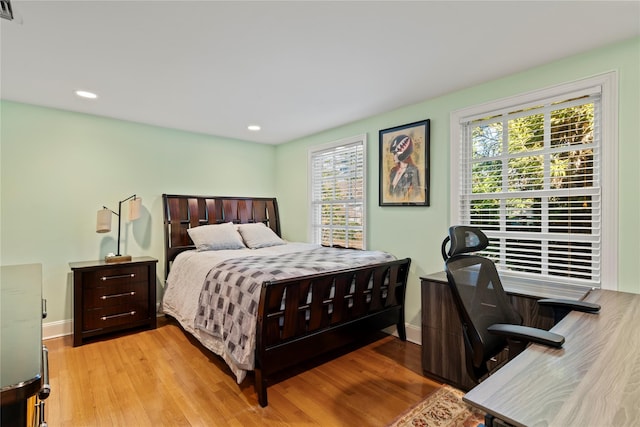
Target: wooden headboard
(183,212)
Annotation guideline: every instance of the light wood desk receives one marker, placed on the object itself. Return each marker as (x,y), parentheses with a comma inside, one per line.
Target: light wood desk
(593,380)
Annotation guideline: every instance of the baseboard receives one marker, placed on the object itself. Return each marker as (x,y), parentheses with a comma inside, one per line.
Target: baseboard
(65,327)
(414,333)
(57,329)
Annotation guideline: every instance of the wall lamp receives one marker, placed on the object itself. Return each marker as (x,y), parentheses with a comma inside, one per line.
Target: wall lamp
(104,223)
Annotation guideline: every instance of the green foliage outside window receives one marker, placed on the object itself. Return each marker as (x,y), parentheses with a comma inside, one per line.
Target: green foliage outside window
(518,163)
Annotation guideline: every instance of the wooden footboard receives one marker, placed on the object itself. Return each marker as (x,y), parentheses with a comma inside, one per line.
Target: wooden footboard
(301,318)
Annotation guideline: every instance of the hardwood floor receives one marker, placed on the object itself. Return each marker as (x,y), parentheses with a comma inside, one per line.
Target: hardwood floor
(162,377)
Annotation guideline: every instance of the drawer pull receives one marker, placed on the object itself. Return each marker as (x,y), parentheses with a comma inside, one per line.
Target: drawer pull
(114,316)
(124,294)
(120,276)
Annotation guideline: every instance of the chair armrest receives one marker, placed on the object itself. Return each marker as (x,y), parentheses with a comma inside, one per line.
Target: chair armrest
(570,304)
(528,334)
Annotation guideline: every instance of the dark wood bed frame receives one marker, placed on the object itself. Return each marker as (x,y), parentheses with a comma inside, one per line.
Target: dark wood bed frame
(291,330)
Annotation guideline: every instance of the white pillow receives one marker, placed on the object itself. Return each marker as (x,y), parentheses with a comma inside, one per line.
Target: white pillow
(214,237)
(258,235)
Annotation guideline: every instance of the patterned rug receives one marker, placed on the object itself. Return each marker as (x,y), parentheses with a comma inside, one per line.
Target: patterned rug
(442,408)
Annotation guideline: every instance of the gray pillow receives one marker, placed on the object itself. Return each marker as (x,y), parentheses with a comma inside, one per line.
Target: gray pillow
(259,235)
(215,237)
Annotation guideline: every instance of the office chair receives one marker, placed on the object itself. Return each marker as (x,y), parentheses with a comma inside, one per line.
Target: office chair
(489,321)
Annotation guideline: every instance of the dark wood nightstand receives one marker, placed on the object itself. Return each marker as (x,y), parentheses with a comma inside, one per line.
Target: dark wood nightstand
(109,297)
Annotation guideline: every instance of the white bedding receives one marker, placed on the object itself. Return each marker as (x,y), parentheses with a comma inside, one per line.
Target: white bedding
(184,283)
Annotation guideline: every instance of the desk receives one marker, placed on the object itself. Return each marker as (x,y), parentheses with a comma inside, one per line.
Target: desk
(442,339)
(594,379)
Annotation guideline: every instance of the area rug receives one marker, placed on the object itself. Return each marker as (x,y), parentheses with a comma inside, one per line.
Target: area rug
(442,408)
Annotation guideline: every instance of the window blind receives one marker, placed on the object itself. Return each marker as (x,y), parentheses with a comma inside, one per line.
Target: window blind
(530,177)
(337,194)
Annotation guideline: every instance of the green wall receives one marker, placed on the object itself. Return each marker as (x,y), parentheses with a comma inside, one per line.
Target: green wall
(417,232)
(58,168)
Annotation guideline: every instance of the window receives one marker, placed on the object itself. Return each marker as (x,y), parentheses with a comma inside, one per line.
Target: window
(537,173)
(338,193)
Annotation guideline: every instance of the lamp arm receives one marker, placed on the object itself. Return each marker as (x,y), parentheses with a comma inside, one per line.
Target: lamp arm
(128,198)
(104,207)
(119,204)
(119,213)
(120,218)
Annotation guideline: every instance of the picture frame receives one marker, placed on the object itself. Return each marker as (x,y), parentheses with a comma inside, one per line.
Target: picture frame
(404,165)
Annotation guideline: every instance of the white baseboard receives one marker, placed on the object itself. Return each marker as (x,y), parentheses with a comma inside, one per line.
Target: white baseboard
(57,329)
(65,327)
(414,333)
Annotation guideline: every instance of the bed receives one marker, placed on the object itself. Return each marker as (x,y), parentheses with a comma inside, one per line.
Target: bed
(266,305)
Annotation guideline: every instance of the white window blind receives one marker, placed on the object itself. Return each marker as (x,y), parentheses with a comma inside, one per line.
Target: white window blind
(338,193)
(530,177)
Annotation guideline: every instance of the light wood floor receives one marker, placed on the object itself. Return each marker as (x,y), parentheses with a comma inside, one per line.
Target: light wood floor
(162,377)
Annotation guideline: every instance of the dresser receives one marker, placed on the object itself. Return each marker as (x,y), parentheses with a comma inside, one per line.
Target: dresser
(111,297)
(443,357)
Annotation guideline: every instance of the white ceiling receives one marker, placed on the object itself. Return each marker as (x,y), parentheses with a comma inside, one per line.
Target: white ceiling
(294,67)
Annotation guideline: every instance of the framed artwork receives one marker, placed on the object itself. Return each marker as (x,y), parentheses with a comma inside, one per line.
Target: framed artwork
(404,165)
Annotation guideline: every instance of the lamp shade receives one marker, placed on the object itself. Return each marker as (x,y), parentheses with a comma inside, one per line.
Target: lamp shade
(135,205)
(103,224)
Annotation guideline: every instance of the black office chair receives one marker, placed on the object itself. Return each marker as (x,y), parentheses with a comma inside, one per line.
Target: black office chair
(489,321)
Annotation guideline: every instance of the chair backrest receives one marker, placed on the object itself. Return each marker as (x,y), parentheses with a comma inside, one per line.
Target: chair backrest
(478,295)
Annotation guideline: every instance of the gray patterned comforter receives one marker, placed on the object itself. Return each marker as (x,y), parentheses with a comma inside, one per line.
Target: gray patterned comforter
(228,303)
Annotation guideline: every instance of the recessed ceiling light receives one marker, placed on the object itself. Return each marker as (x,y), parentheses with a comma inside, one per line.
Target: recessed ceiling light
(85,94)
(254,128)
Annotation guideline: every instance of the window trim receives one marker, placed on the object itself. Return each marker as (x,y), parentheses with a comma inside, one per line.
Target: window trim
(609,146)
(362,138)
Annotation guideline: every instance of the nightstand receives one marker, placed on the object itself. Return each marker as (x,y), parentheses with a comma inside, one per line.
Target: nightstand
(110,297)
